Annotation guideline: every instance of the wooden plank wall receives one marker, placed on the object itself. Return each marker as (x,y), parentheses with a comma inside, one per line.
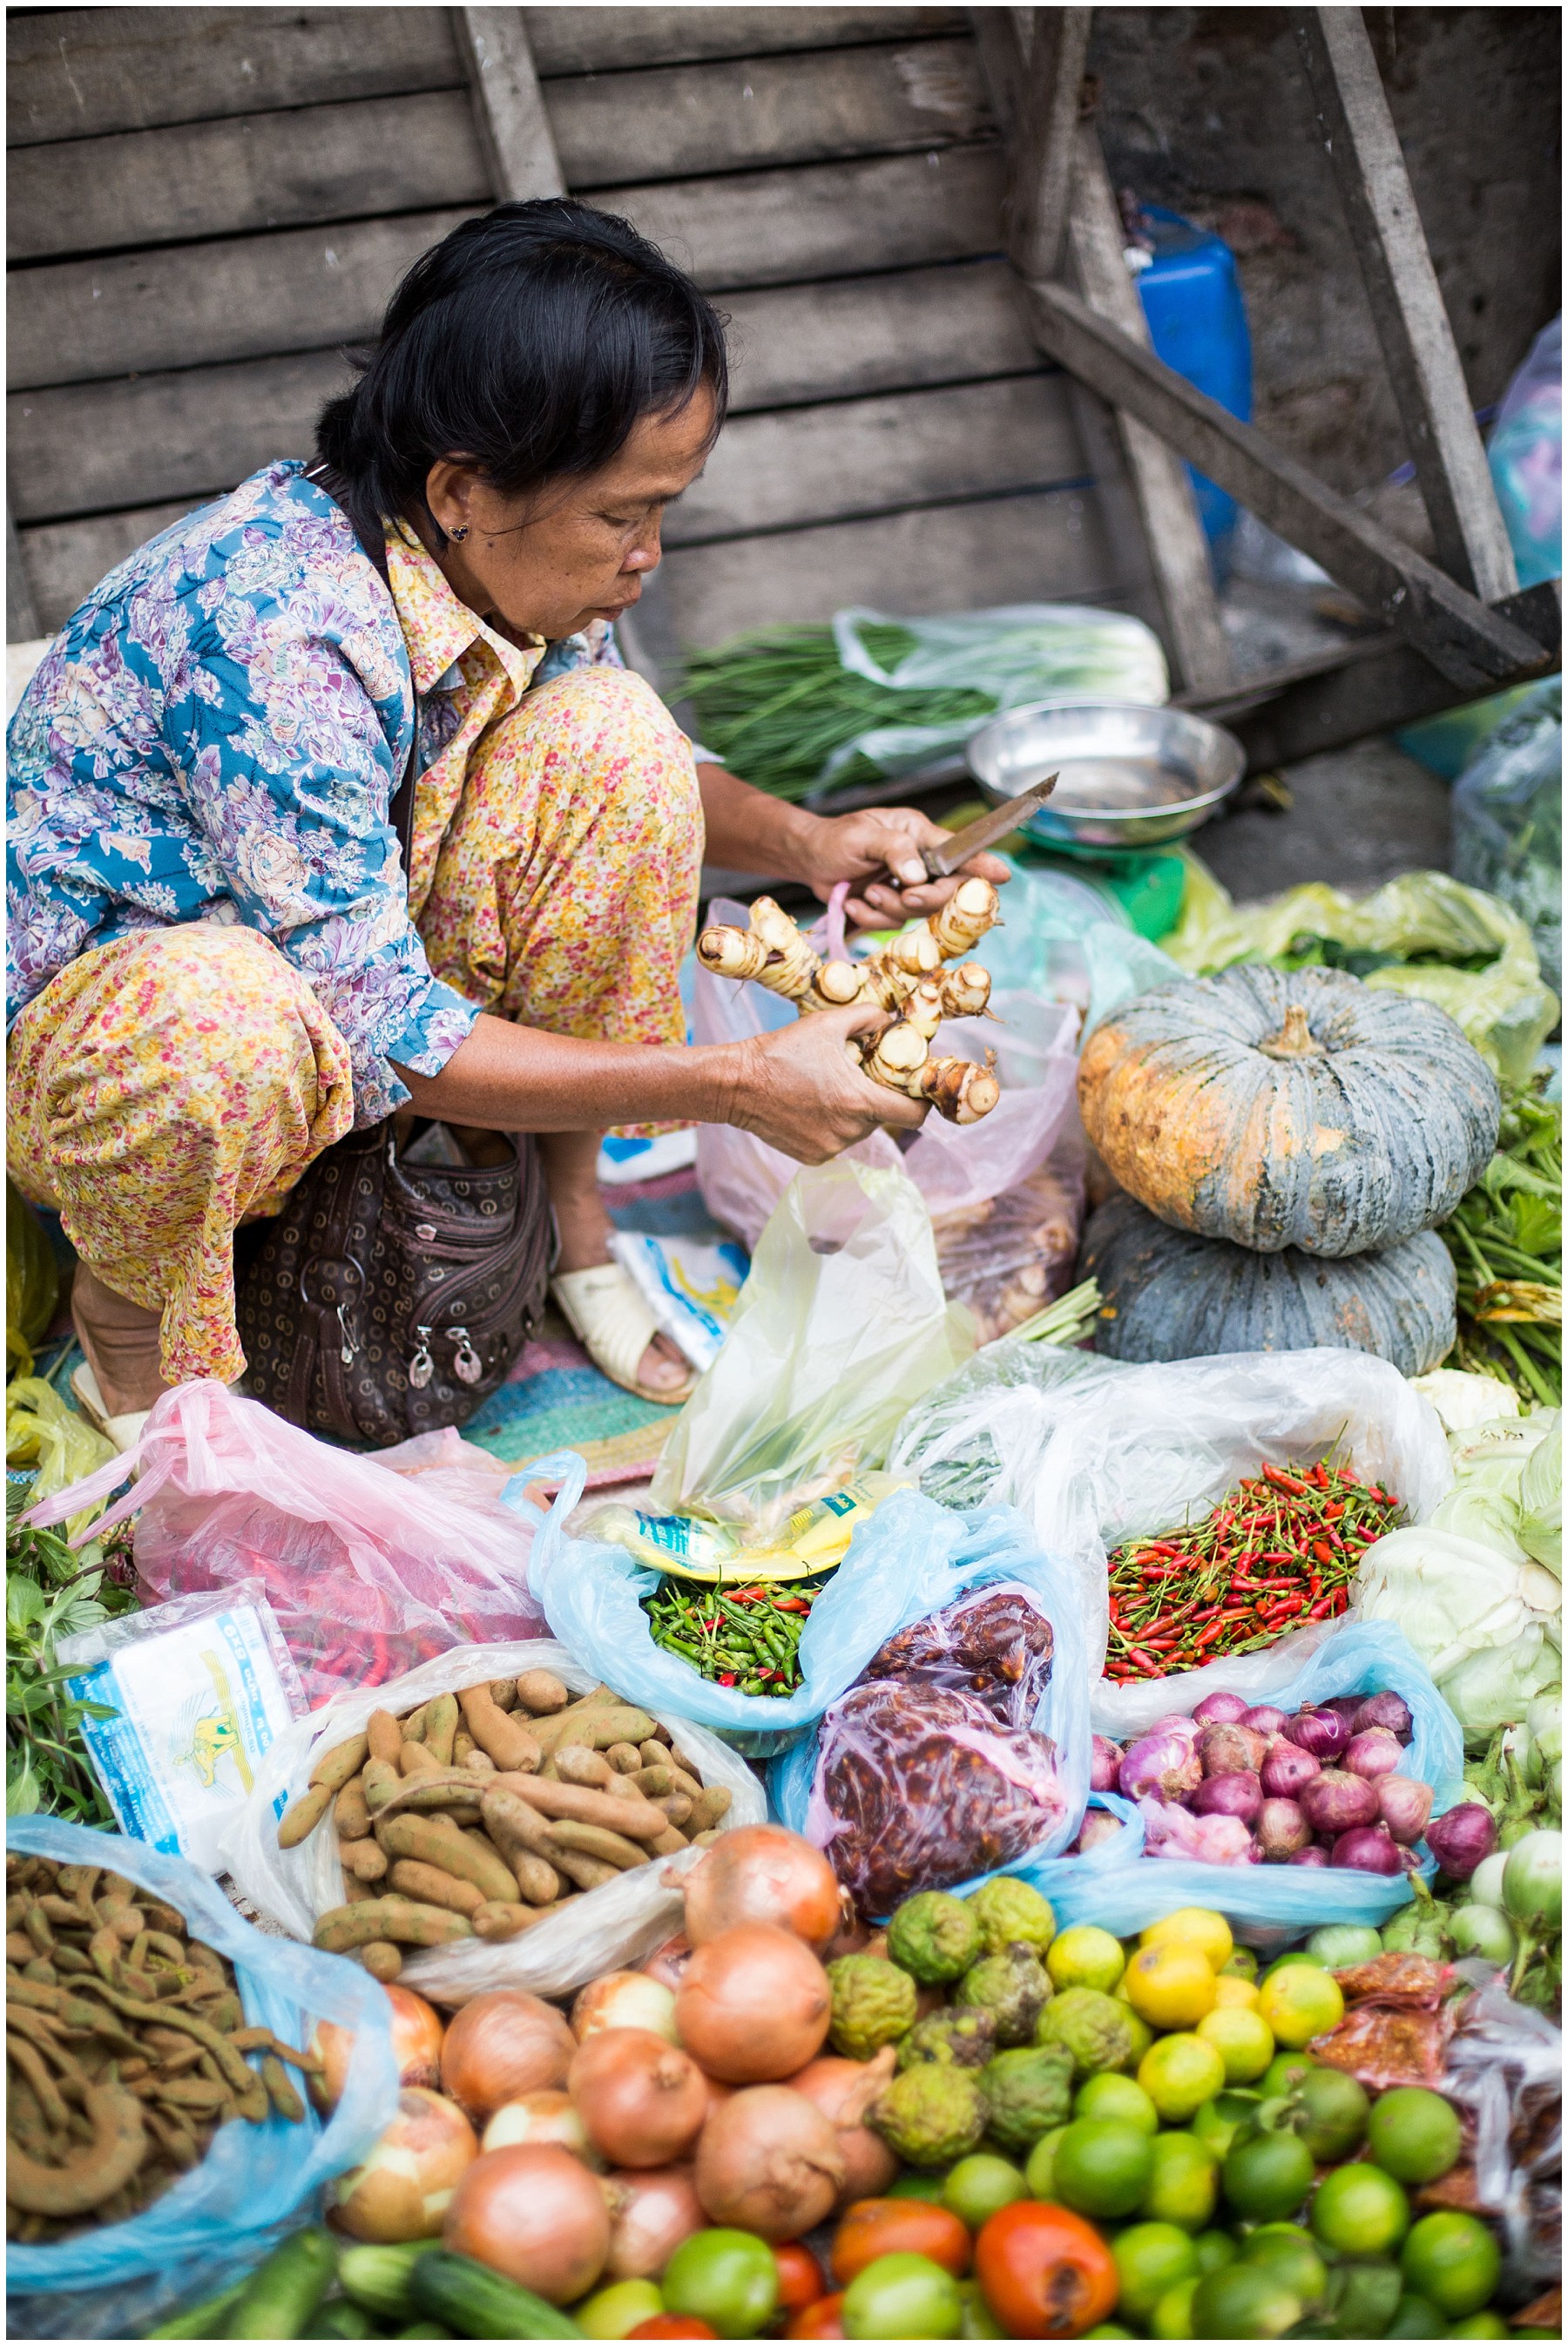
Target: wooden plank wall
(205,204)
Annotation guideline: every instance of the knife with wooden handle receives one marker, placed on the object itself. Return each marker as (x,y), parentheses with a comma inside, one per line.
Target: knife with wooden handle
(942,862)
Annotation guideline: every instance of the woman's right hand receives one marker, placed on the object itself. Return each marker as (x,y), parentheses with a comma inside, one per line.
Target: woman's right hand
(799,1089)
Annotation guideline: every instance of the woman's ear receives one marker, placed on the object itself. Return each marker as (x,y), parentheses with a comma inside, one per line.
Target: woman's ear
(451,487)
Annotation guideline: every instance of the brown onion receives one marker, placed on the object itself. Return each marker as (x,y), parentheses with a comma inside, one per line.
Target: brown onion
(503,2045)
(761,1873)
(535,2214)
(844,2091)
(402,2187)
(625,2000)
(548,2115)
(642,2100)
(769,2162)
(754,2005)
(668,1961)
(416,2033)
(651,2214)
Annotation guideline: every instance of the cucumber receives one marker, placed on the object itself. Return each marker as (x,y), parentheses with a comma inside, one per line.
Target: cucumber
(203,2321)
(424,2330)
(283,2295)
(343,2318)
(378,2278)
(478,2303)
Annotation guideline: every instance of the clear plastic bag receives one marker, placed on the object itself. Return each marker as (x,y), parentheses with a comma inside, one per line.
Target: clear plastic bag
(841,1324)
(368,1572)
(1507,821)
(1063,940)
(219,2221)
(1009,1256)
(1268,1904)
(608,1929)
(995,1644)
(1505,2071)
(1525,457)
(947,1439)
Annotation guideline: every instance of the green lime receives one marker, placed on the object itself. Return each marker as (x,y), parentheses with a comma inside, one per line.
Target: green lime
(1151,2259)
(1121,2099)
(1245,2300)
(1185,2183)
(902,2296)
(1217,2124)
(1040,2171)
(1172,2317)
(1291,2254)
(1483,2325)
(1102,2169)
(1179,2073)
(1332,2110)
(979,2322)
(978,2186)
(1115,2330)
(1301,2001)
(1285,2071)
(1086,1957)
(1283,1963)
(1240,1963)
(1267,2176)
(1454,2260)
(1413,2134)
(1359,2211)
(1213,2249)
(612,2312)
(1363,2292)
(1415,2318)
(1243,2041)
(917,2187)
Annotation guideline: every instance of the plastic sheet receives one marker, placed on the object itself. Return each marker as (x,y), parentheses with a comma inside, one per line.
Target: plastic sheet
(1507,821)
(841,1324)
(608,1928)
(368,1572)
(219,2220)
(1269,1904)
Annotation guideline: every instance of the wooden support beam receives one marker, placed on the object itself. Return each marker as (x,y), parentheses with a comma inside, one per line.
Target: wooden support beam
(514,131)
(1474,646)
(1041,195)
(1429,386)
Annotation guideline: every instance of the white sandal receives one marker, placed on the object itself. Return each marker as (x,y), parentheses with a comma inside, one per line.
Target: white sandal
(614,1327)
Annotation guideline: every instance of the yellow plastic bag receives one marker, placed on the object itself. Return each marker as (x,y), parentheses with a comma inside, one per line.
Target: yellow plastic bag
(31,1283)
(41,1431)
(1506,1009)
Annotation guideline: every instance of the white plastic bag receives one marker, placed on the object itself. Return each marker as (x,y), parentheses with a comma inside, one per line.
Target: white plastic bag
(1096,1461)
(952,1166)
(606,1930)
(841,1325)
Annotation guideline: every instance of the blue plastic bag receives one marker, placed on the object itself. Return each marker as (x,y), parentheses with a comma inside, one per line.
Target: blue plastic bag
(911,1559)
(1268,1904)
(215,2224)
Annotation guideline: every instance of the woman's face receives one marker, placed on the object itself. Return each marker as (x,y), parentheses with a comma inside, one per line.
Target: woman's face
(546,565)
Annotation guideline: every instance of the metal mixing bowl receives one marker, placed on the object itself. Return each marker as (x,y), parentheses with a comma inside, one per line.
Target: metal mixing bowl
(1130,776)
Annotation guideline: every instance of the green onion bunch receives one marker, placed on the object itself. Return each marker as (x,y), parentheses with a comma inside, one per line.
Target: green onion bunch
(1506,1240)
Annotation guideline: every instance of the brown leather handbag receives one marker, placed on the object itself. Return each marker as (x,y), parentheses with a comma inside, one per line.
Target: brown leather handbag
(389,1297)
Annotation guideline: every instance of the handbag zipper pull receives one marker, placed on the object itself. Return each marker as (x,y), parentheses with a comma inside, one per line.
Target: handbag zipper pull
(422,1367)
(466,1363)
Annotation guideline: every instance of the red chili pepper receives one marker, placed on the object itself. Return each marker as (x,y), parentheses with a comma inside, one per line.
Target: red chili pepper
(727,1677)
(1322,1551)
(1282,1482)
(792,1605)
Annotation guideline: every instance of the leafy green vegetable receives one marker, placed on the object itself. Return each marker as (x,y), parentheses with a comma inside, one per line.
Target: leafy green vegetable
(1506,1240)
(50,1594)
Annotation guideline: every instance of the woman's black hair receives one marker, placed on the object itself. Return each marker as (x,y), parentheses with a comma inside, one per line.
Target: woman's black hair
(531,343)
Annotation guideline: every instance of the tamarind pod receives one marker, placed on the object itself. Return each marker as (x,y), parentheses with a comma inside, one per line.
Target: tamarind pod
(381,1960)
(414,1724)
(171,2137)
(479,1763)
(442,1789)
(593,1841)
(711,1804)
(513,1825)
(190,2093)
(62,1910)
(382,1779)
(495,1920)
(301,1816)
(19,1947)
(127,1921)
(396,1919)
(504,1693)
(434,1840)
(463,1746)
(670,1842)
(959,1089)
(430,1885)
(509,1743)
(677,1806)
(595,1724)
(537,1879)
(230,2064)
(440,1727)
(685,1770)
(624,1758)
(356,1892)
(262,2040)
(29,2064)
(40,1968)
(577,1765)
(652,1780)
(654,1754)
(366,1861)
(164,1943)
(252,2102)
(637,1820)
(90,2175)
(587,1872)
(415,1759)
(39,1929)
(383,1735)
(542,1692)
(334,1767)
(351,1813)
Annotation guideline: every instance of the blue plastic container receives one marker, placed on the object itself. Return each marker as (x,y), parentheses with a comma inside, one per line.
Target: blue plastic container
(1197,323)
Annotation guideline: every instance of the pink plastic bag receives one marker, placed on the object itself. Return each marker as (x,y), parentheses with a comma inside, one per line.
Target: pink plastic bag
(370,1572)
(954,1166)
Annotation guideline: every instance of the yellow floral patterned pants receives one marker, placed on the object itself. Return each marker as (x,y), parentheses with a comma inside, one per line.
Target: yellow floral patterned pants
(171,1084)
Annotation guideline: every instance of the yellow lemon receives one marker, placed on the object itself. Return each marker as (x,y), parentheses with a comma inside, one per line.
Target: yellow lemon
(1243,2040)
(1300,2002)
(1234,1994)
(1171,1986)
(1192,1926)
(1179,2073)
(1085,1957)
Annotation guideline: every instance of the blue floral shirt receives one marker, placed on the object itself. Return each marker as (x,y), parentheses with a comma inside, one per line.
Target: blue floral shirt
(218,734)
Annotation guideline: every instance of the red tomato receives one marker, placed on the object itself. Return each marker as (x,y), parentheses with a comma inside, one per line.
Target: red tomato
(823,2320)
(673,2325)
(800,2277)
(882,2228)
(1044,2271)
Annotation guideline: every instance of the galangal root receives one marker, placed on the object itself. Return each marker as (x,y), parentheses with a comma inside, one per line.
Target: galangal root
(907,978)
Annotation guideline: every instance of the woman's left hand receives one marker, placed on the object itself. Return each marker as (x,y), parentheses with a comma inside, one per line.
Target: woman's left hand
(853,846)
